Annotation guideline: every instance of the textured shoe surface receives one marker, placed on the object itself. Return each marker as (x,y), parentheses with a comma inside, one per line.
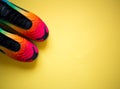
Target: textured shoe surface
(17,47)
(15,20)
(23,21)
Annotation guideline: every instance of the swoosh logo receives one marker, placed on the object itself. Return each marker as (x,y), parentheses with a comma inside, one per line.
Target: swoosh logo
(34,55)
(44,37)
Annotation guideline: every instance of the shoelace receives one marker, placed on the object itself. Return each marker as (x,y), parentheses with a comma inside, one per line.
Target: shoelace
(9,14)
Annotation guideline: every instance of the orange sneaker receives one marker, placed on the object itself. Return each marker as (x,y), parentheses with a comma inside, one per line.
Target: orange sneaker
(17,47)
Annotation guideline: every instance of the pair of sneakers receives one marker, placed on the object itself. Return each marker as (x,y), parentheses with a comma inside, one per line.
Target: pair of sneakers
(15,20)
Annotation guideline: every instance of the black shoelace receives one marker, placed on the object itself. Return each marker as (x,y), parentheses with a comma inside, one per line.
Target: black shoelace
(9,14)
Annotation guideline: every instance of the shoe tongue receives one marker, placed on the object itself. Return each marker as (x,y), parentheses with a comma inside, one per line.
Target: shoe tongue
(9,43)
(9,14)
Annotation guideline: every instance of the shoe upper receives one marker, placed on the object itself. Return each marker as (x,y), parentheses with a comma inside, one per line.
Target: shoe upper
(24,22)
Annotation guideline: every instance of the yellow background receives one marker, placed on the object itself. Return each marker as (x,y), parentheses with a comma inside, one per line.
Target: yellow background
(82,51)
